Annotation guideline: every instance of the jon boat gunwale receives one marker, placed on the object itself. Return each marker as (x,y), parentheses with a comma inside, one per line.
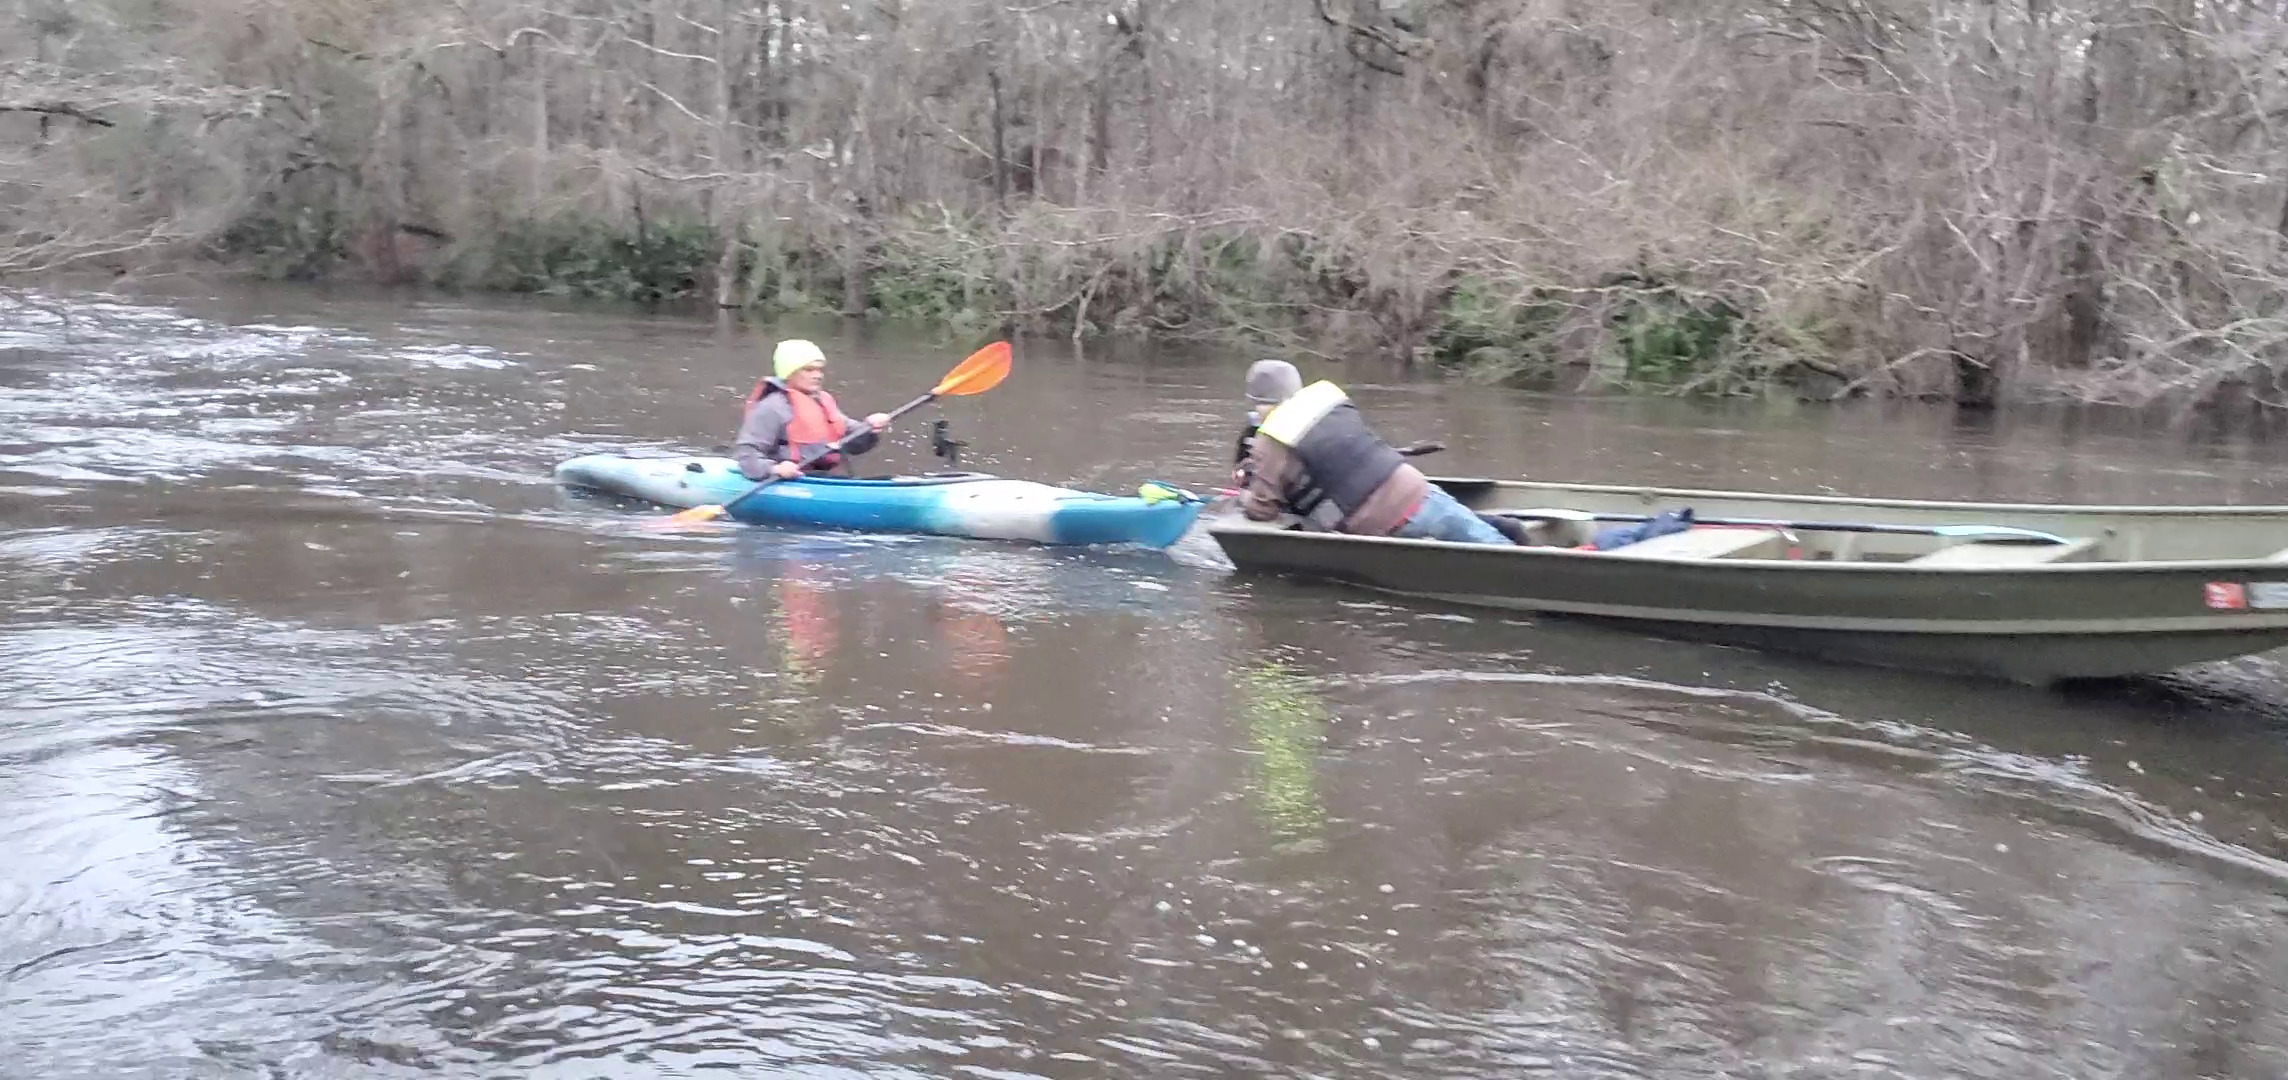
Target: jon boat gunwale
(1474,488)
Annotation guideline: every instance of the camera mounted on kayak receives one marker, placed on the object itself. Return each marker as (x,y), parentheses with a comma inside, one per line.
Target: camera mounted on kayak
(943,445)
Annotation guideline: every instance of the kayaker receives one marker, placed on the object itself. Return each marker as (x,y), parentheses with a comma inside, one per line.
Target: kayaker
(790,415)
(1312,455)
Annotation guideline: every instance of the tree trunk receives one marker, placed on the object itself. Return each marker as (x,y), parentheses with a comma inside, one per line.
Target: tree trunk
(1039,122)
(1357,103)
(2181,38)
(1976,385)
(855,258)
(1149,105)
(646,64)
(1100,121)
(386,170)
(724,196)
(772,68)
(1000,143)
(535,177)
(2084,303)
(782,101)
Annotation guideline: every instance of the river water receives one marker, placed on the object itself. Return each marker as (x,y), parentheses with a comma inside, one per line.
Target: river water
(335,741)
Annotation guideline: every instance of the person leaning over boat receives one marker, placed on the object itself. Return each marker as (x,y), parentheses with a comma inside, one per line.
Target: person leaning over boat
(790,415)
(1314,456)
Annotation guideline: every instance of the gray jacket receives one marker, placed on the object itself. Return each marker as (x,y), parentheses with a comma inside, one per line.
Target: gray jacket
(762,437)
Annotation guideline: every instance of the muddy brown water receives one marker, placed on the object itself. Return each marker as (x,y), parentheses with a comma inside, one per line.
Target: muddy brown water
(336,742)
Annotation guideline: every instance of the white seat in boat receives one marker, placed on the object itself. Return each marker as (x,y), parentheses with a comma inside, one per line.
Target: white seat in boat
(1989,553)
(1710,543)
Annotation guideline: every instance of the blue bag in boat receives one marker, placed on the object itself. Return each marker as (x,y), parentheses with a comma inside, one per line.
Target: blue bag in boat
(1660,524)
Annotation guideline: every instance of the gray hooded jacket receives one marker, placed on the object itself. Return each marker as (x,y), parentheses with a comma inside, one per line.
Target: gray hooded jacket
(762,437)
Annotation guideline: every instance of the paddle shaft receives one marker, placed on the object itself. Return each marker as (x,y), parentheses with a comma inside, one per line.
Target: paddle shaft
(834,447)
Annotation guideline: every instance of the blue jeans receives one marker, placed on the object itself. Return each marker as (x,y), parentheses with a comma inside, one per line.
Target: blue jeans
(1441,518)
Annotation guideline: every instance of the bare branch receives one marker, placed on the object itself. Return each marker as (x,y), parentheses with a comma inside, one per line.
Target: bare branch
(55,108)
(670,99)
(670,53)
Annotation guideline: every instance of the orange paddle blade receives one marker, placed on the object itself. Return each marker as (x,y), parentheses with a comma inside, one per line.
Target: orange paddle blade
(695,515)
(983,371)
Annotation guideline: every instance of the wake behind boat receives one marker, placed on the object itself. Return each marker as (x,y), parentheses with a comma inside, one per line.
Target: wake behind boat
(966,504)
(2028,592)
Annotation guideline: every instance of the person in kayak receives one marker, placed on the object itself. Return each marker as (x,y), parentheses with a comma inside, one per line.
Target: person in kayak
(789,415)
(1313,456)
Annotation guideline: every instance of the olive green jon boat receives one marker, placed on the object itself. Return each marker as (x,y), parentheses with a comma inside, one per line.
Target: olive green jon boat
(2031,593)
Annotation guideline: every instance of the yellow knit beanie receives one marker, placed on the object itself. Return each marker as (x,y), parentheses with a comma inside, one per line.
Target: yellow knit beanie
(794,354)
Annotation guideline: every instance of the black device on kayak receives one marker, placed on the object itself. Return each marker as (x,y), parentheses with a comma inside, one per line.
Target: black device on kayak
(943,445)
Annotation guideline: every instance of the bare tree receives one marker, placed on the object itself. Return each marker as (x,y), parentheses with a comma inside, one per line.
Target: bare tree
(1983,199)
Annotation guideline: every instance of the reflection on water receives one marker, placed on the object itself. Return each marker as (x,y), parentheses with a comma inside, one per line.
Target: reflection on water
(335,741)
(806,627)
(1287,725)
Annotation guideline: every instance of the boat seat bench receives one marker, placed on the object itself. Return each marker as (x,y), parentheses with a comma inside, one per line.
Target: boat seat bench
(1989,553)
(1710,543)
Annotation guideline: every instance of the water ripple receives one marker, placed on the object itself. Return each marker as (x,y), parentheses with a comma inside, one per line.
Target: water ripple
(336,742)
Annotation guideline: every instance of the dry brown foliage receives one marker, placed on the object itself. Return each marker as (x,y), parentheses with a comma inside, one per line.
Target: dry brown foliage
(1986,200)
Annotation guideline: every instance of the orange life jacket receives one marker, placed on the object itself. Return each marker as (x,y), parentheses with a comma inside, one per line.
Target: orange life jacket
(817,421)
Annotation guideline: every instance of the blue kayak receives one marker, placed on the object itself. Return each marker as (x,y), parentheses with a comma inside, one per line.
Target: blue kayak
(945,504)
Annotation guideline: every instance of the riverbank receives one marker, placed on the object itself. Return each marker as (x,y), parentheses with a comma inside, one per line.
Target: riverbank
(1222,277)
(1433,290)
